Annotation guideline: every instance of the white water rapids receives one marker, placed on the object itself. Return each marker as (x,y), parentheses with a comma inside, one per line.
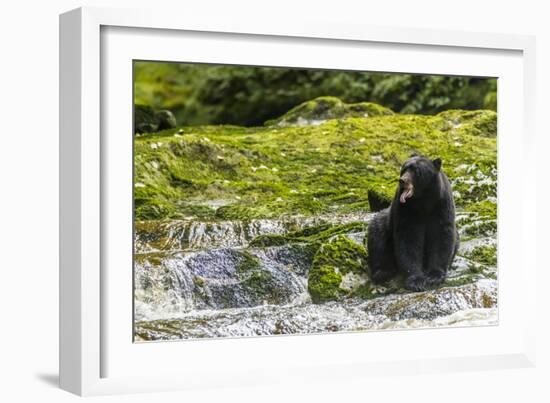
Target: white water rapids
(189,283)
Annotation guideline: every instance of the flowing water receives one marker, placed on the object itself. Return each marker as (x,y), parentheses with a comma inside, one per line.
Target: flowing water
(198,279)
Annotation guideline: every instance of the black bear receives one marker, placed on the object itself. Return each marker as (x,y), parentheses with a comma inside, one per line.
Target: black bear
(416,235)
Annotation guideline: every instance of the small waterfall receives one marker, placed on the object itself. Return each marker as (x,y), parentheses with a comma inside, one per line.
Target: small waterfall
(180,282)
(204,279)
(195,235)
(471,304)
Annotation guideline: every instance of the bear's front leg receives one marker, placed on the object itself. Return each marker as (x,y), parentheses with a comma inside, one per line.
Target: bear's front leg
(409,253)
(441,241)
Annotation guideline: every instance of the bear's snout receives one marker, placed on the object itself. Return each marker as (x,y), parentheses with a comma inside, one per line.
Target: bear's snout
(406,186)
(405,180)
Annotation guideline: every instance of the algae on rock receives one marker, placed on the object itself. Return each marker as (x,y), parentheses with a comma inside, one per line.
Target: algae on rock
(237,173)
(339,268)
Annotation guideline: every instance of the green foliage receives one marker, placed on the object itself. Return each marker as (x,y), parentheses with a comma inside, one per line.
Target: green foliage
(249,96)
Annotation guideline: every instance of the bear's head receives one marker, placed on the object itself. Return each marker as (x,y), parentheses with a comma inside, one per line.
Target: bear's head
(418,175)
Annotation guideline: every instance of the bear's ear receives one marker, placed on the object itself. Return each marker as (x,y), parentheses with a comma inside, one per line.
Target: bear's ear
(414,154)
(437,163)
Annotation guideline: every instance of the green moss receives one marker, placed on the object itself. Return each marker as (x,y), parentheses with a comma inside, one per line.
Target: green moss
(260,284)
(323,233)
(199,281)
(334,260)
(153,258)
(481,228)
(485,209)
(153,208)
(313,234)
(237,212)
(486,255)
(458,281)
(475,123)
(268,172)
(324,284)
(475,268)
(324,108)
(343,253)
(270,240)
(318,230)
(480,220)
(248,263)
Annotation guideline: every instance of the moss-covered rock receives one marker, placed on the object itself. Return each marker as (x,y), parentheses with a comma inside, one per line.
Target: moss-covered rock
(477,123)
(147,120)
(485,254)
(339,268)
(217,173)
(258,285)
(165,119)
(323,108)
(222,278)
(313,234)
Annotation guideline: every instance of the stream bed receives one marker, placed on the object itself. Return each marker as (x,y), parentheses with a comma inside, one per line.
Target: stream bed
(214,279)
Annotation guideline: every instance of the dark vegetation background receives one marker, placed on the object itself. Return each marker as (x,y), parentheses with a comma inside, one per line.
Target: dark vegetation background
(248,96)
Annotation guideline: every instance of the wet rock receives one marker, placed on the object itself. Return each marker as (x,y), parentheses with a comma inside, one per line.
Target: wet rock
(170,284)
(466,305)
(436,303)
(176,235)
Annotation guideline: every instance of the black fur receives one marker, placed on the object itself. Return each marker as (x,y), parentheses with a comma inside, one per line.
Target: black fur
(417,235)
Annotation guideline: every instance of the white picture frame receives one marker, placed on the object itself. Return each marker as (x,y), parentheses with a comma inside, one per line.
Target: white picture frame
(93,343)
